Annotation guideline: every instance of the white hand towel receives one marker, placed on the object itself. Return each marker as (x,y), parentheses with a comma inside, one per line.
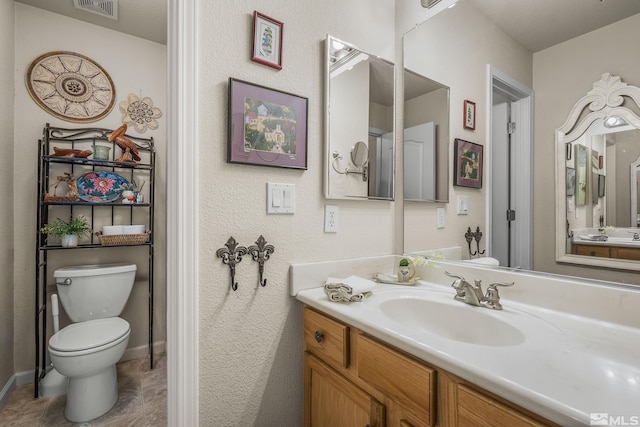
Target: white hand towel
(353,288)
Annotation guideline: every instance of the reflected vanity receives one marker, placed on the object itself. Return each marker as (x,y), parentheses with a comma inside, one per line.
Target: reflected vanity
(359,116)
(600,141)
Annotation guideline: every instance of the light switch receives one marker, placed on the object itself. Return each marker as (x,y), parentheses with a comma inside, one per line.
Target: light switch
(280,198)
(462,205)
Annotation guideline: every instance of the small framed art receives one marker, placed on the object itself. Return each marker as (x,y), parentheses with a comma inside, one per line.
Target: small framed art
(267,41)
(467,164)
(267,127)
(469,120)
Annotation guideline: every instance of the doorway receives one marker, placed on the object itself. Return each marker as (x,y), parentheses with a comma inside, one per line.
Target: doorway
(510,192)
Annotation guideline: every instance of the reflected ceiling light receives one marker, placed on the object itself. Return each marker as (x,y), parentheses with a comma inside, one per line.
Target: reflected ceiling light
(429,3)
(615,121)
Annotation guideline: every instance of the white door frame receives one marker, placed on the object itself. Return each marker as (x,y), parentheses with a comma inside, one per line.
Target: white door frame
(182,214)
(523,226)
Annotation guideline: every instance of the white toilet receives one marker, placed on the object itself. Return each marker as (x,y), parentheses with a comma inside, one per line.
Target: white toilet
(87,350)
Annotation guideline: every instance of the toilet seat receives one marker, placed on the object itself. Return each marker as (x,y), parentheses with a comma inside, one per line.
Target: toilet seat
(83,336)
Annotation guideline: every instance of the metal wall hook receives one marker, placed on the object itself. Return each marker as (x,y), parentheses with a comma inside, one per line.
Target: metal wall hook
(232,255)
(478,237)
(261,252)
(470,236)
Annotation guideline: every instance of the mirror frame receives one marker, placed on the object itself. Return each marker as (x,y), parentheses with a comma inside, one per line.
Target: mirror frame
(328,152)
(606,98)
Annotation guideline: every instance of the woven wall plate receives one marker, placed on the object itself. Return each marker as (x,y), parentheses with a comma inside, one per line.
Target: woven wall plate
(70,86)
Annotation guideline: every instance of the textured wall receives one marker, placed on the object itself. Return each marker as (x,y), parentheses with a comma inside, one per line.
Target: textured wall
(6,194)
(250,340)
(562,75)
(135,66)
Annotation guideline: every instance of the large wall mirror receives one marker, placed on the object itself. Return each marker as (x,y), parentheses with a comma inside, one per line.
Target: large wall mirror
(426,138)
(598,153)
(359,117)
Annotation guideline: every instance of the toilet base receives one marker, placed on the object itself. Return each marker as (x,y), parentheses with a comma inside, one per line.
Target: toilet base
(91,397)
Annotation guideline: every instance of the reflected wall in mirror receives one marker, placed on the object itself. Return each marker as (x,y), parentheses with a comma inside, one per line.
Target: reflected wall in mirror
(601,223)
(426,139)
(359,102)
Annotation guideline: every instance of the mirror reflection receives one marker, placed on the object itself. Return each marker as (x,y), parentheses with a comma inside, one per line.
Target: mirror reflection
(600,143)
(359,145)
(426,139)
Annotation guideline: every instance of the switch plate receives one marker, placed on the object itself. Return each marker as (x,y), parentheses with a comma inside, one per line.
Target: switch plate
(439,217)
(330,218)
(462,204)
(281,198)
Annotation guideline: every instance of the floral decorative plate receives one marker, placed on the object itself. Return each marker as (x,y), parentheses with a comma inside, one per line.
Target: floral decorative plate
(100,186)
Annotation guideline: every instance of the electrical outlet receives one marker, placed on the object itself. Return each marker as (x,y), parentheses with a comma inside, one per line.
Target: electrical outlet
(330,218)
(440,217)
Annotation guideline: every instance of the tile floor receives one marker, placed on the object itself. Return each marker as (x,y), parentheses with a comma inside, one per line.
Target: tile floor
(142,401)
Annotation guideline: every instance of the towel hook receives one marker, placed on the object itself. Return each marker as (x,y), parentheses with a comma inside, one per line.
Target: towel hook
(261,252)
(232,255)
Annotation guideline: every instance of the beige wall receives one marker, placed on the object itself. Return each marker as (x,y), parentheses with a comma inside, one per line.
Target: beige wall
(459,60)
(6,194)
(135,66)
(250,340)
(562,75)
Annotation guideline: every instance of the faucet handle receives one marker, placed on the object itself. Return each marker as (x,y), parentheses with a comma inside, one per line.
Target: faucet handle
(492,298)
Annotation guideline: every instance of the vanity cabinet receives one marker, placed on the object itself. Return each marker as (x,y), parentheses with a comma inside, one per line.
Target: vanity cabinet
(606,251)
(63,168)
(352,379)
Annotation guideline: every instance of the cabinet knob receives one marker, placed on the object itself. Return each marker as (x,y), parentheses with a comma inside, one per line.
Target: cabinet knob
(319,336)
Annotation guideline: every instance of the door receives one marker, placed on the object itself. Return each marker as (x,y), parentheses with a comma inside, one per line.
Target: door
(510,191)
(420,162)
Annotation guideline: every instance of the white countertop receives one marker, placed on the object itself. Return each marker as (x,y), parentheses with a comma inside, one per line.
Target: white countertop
(566,368)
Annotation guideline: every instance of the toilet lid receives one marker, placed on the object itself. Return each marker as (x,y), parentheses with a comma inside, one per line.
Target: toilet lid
(90,334)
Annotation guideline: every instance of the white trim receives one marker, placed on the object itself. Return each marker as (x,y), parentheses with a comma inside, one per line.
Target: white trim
(182,214)
(5,393)
(142,351)
(524,158)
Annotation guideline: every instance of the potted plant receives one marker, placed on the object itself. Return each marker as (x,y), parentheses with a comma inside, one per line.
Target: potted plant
(68,231)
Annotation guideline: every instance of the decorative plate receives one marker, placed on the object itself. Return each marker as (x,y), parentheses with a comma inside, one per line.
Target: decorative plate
(70,86)
(100,186)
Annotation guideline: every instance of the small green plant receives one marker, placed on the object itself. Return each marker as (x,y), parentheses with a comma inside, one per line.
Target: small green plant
(78,226)
(404,262)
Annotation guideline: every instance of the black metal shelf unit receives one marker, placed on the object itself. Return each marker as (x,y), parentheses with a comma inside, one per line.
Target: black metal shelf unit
(51,167)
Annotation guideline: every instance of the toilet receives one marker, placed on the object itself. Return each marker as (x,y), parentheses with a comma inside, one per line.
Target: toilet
(86,351)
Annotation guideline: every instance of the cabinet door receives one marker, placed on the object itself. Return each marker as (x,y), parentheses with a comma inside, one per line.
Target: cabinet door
(477,410)
(330,400)
(592,250)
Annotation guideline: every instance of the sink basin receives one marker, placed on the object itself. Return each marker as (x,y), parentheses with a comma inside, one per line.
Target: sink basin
(453,320)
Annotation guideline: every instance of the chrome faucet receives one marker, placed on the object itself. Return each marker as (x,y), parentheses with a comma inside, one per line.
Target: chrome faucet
(473,295)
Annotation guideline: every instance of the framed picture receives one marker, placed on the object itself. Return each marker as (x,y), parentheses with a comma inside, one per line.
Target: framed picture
(467,165)
(571,181)
(267,41)
(267,127)
(582,175)
(469,119)
(601,185)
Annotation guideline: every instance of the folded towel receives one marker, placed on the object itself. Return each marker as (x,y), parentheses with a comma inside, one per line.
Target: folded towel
(353,288)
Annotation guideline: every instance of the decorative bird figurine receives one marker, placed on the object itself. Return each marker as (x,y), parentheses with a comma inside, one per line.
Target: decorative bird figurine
(128,146)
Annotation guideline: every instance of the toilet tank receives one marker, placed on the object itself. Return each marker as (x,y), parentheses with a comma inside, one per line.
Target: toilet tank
(96,291)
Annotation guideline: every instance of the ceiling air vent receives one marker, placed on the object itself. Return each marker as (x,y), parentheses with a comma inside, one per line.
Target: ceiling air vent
(106,8)
(429,3)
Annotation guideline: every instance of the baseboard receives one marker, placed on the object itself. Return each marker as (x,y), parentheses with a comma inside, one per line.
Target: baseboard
(143,350)
(6,390)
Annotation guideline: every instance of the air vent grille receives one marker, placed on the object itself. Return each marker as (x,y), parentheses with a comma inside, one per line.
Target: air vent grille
(106,8)
(429,3)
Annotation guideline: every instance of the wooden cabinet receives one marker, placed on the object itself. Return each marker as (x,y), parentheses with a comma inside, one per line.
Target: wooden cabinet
(619,252)
(333,401)
(352,379)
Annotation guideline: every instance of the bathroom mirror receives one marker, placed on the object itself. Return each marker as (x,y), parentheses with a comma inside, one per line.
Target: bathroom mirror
(359,117)
(426,138)
(600,141)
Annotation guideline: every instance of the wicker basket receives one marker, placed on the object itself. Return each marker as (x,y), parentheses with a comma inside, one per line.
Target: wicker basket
(123,239)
